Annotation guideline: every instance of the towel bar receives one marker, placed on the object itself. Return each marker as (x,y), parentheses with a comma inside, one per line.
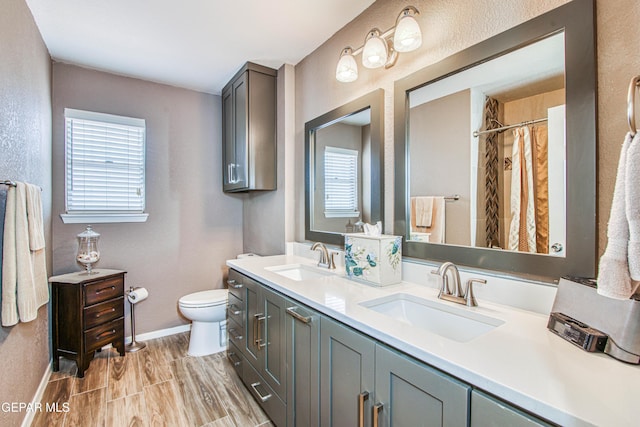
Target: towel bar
(631,104)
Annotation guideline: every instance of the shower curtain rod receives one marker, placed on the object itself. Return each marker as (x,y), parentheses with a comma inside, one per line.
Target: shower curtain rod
(529,122)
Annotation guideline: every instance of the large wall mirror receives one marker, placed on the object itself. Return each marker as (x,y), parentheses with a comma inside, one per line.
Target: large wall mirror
(495,164)
(344,169)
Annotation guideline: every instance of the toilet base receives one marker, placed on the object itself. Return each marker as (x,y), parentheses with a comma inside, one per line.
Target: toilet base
(206,338)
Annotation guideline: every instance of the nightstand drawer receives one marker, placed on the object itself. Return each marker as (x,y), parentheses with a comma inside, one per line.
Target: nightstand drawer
(102,335)
(103,290)
(98,314)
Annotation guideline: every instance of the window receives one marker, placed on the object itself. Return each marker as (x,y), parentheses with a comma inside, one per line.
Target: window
(340,183)
(105,163)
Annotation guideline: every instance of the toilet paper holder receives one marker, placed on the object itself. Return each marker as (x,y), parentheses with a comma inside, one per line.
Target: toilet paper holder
(134,296)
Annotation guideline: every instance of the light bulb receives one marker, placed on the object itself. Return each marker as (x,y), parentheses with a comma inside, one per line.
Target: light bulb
(374,53)
(407,36)
(347,69)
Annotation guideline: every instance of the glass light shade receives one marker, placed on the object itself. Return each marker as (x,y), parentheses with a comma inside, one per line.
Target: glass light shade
(407,36)
(374,53)
(347,69)
(88,253)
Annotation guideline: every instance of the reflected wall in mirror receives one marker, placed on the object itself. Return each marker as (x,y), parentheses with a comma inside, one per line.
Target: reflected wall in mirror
(505,120)
(498,170)
(343,158)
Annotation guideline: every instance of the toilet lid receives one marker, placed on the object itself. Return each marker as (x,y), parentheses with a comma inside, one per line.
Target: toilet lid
(211,297)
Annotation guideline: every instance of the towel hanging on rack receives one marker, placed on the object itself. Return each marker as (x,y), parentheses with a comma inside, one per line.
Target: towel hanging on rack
(24,271)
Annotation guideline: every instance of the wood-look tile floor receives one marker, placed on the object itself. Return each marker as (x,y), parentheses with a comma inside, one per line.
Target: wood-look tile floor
(157,386)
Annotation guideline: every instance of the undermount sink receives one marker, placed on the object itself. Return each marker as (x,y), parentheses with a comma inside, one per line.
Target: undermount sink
(456,323)
(299,271)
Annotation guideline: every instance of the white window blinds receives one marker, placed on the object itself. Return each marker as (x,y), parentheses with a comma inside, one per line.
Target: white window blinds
(340,183)
(105,163)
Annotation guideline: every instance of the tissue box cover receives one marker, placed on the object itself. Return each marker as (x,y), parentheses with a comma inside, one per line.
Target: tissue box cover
(373,259)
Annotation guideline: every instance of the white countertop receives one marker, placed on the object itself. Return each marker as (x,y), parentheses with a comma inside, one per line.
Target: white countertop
(519,361)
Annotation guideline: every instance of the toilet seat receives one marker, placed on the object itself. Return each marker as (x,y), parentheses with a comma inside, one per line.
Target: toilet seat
(203,299)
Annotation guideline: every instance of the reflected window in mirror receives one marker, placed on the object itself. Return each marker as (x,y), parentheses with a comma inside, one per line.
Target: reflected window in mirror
(343,150)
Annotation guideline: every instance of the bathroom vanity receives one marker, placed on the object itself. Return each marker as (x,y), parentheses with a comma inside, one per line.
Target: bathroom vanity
(347,358)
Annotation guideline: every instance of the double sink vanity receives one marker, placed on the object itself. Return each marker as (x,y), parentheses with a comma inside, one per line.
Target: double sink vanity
(316,348)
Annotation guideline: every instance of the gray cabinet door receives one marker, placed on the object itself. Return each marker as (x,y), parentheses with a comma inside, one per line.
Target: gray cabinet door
(347,366)
(413,394)
(303,374)
(487,411)
(254,316)
(273,341)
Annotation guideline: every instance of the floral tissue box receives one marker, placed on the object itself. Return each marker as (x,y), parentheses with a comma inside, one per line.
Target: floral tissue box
(373,259)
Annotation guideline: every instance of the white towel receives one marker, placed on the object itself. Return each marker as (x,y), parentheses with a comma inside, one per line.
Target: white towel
(24,272)
(632,206)
(34,216)
(614,280)
(424,211)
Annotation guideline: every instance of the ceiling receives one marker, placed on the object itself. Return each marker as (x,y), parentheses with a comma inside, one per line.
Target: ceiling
(194,44)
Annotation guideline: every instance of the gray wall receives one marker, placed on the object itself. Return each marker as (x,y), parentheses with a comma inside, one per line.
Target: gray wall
(193,227)
(450,26)
(25,155)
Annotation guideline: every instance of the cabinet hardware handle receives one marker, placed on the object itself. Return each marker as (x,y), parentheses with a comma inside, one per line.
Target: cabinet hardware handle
(108,288)
(234,284)
(230,356)
(259,318)
(233,334)
(361,398)
(262,397)
(233,309)
(293,313)
(105,334)
(107,311)
(376,414)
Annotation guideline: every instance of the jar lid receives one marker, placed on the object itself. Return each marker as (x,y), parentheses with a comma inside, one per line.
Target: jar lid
(89,234)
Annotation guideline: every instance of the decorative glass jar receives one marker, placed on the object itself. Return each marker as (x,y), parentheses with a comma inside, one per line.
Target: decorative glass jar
(88,253)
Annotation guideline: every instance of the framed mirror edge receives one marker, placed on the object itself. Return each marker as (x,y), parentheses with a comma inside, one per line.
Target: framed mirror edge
(577,20)
(375,101)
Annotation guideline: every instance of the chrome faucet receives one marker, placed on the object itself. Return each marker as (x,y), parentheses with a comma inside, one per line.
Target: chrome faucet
(325,260)
(453,291)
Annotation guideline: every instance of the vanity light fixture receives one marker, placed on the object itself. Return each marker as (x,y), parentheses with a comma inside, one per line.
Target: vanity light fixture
(381,49)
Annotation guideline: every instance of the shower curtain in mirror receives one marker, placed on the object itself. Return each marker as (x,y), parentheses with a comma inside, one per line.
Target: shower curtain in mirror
(529,229)
(491,185)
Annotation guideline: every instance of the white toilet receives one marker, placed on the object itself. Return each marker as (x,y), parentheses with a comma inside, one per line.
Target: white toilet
(207,312)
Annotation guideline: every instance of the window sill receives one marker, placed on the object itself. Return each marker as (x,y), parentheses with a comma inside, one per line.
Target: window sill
(103,218)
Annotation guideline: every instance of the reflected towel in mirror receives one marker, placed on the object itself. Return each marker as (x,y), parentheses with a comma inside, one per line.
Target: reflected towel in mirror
(437,228)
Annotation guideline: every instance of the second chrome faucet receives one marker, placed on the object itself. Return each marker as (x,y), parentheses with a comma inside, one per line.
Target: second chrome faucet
(326,259)
(451,287)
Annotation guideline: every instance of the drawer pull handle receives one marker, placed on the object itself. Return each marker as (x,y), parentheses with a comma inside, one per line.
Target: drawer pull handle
(233,309)
(108,288)
(361,398)
(105,334)
(230,356)
(293,313)
(235,285)
(376,414)
(263,397)
(232,332)
(107,311)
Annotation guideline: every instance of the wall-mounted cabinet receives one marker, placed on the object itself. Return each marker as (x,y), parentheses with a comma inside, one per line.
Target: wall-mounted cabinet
(249,130)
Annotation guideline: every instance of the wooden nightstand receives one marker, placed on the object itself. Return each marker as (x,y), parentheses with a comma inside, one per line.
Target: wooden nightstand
(87,314)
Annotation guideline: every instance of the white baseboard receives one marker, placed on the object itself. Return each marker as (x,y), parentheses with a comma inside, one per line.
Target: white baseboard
(160,333)
(37,398)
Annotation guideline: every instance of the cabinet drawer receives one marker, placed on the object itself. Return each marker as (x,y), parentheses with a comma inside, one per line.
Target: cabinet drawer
(103,290)
(235,310)
(264,395)
(235,283)
(100,313)
(102,335)
(236,334)
(235,358)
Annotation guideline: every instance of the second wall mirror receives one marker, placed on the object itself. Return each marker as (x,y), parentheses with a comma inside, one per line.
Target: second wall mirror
(495,151)
(344,169)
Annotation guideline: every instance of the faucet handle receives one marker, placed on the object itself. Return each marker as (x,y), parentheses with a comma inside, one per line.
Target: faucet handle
(332,260)
(470,300)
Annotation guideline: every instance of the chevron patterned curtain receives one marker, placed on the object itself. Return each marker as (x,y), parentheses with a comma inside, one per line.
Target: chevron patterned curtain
(491,170)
